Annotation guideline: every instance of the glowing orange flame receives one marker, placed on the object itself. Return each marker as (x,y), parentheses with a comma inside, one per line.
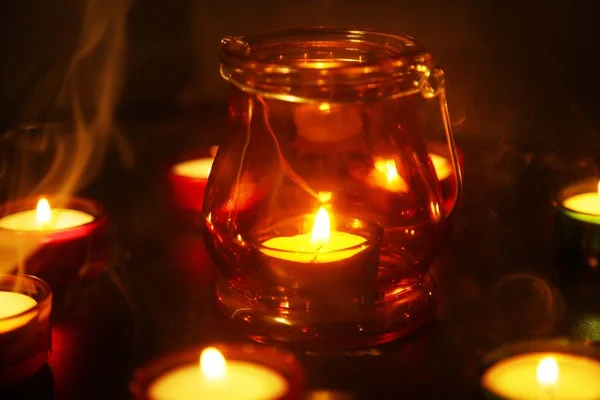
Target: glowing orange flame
(43,212)
(212,363)
(325,107)
(598,188)
(388,168)
(321,228)
(547,371)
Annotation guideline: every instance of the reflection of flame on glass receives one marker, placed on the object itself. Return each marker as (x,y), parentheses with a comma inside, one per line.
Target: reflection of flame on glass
(325,107)
(321,228)
(387,167)
(324,197)
(212,363)
(308,63)
(442,166)
(547,371)
(43,213)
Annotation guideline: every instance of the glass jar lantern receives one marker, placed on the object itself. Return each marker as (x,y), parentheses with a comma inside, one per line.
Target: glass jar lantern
(323,211)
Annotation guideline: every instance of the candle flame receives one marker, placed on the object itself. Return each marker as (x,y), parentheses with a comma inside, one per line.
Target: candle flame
(43,213)
(321,228)
(325,107)
(598,188)
(388,168)
(547,371)
(212,363)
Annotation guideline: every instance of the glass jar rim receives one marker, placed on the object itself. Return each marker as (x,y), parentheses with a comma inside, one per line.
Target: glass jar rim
(376,59)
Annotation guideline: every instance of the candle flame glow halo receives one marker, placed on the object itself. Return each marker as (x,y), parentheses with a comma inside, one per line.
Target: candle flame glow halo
(212,363)
(43,212)
(547,371)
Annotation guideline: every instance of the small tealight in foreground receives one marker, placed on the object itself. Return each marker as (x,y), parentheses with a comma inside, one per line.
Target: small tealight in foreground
(223,372)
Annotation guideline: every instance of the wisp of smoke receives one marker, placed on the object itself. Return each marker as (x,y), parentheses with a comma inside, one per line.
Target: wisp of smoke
(90,89)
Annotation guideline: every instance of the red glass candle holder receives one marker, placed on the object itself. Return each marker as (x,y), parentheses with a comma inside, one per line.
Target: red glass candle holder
(327,125)
(25,337)
(278,362)
(61,256)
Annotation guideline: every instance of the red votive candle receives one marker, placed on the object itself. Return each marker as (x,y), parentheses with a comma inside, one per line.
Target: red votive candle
(188,179)
(60,244)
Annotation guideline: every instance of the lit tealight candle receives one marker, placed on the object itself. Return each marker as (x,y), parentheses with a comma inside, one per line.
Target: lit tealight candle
(13,304)
(584,206)
(218,378)
(321,245)
(552,376)
(45,219)
(442,166)
(386,175)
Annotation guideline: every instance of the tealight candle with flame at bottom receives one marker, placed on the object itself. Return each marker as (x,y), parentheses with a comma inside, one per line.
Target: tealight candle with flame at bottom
(543,369)
(242,372)
(55,242)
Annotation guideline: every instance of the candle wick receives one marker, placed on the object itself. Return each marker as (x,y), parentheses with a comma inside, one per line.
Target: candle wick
(318,249)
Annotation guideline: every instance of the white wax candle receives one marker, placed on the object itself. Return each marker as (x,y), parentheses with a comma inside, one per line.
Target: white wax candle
(62,218)
(588,203)
(551,376)
(242,381)
(11,305)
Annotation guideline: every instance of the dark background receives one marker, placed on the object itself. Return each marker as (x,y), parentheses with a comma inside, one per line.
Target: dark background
(522,78)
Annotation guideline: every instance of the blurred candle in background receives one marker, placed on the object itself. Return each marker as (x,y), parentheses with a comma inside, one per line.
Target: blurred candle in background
(188,180)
